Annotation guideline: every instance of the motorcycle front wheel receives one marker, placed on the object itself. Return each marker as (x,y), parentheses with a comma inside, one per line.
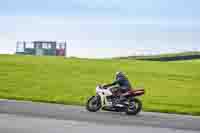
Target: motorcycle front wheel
(93,104)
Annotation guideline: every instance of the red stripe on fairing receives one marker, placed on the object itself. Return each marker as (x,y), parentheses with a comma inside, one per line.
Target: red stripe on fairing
(138,92)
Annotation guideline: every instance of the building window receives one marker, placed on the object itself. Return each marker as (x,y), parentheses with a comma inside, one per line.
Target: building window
(29,45)
(45,45)
(20,47)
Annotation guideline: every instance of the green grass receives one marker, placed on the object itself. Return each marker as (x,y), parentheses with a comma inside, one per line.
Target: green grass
(170,86)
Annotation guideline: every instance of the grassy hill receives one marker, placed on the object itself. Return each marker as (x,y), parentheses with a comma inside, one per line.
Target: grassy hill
(168,57)
(170,86)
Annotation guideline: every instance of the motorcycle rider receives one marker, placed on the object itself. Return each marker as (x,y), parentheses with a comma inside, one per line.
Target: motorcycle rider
(123,82)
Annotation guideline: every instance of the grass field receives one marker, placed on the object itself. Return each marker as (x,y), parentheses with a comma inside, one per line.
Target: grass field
(170,86)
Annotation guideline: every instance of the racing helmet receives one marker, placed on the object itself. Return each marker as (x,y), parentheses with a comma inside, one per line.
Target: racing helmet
(119,74)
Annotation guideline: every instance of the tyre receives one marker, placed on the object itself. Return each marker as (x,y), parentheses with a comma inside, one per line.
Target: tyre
(93,104)
(134,107)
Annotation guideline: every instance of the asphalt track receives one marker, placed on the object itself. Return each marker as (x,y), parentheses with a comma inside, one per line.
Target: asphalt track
(23,117)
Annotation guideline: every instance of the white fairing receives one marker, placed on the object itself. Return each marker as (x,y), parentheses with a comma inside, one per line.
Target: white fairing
(105,92)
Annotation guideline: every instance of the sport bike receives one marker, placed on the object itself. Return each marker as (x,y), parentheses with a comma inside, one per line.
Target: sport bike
(108,99)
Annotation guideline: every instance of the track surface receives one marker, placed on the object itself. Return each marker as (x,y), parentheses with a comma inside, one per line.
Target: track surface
(41,117)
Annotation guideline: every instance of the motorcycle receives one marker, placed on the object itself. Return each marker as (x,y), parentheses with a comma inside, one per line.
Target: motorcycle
(108,99)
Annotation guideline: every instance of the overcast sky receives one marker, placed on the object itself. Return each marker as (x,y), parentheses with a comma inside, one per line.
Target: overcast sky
(103,28)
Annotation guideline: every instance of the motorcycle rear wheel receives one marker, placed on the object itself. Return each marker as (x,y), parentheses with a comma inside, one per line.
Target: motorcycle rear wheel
(93,104)
(134,107)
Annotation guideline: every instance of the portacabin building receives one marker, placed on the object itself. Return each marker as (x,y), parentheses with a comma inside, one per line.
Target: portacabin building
(42,48)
